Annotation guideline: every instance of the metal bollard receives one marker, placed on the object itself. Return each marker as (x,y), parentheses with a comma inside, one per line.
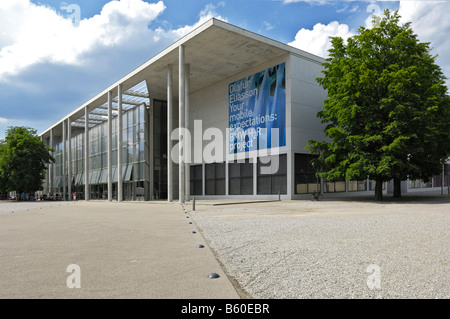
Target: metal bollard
(193,204)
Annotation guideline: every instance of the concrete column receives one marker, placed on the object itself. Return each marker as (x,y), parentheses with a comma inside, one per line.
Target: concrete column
(47,175)
(181,106)
(187,144)
(51,166)
(149,150)
(169,132)
(290,174)
(109,154)
(69,158)
(119,144)
(64,163)
(203,179)
(227,179)
(150,153)
(255,175)
(86,154)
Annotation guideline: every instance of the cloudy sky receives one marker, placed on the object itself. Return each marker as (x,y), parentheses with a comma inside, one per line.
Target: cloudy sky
(56,55)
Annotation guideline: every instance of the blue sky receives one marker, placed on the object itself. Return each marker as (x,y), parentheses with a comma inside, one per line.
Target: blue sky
(55,55)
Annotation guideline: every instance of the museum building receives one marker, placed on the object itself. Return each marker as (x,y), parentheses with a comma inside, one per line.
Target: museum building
(221,113)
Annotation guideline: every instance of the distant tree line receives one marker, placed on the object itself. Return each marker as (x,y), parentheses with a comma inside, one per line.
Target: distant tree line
(23,161)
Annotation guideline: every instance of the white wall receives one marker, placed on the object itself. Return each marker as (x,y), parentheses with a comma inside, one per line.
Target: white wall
(306,101)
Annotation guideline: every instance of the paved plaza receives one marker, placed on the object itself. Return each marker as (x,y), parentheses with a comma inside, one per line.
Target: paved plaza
(337,248)
(123,250)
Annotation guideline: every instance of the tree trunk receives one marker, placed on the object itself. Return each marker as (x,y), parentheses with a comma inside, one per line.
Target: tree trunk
(379,189)
(397,188)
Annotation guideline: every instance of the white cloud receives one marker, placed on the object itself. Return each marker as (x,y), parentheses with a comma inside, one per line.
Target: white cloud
(429,20)
(3,126)
(342,9)
(206,14)
(320,2)
(33,33)
(317,41)
(354,9)
(268,25)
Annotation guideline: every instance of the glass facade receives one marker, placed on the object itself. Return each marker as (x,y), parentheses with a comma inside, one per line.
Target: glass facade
(434,181)
(135,166)
(334,187)
(437,180)
(196,179)
(58,169)
(215,179)
(159,149)
(305,177)
(276,181)
(240,178)
(306,181)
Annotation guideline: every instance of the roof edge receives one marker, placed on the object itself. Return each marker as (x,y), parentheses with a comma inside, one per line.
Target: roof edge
(206,25)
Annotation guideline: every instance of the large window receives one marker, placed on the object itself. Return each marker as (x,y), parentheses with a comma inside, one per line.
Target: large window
(418,183)
(436,181)
(305,178)
(159,149)
(240,178)
(334,187)
(373,183)
(276,179)
(357,186)
(215,179)
(447,175)
(196,179)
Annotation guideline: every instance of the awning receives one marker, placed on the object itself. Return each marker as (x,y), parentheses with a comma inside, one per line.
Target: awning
(127,176)
(104,176)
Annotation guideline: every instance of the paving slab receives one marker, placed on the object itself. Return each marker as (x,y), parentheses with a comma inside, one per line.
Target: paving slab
(123,250)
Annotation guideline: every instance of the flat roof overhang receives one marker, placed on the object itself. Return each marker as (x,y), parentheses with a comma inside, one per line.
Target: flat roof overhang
(215,50)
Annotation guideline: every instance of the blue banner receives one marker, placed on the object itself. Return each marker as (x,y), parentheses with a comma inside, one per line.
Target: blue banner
(257,111)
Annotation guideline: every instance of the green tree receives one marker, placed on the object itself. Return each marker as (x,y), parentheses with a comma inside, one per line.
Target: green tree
(23,160)
(386,112)
(3,188)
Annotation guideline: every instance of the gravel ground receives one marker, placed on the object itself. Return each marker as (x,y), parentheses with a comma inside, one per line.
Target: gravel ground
(333,249)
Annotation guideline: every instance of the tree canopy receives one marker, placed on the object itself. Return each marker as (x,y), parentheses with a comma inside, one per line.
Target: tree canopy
(23,160)
(387,114)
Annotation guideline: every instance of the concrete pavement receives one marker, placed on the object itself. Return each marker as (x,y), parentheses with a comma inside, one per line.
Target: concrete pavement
(123,250)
